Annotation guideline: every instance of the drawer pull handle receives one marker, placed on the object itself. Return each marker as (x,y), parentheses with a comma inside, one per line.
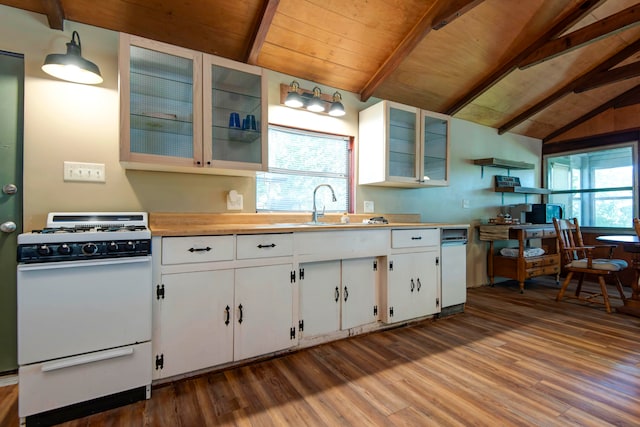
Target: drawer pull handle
(273,245)
(207,249)
(83,360)
(416,238)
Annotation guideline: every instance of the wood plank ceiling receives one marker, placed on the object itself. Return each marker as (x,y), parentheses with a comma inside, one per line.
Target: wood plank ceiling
(537,68)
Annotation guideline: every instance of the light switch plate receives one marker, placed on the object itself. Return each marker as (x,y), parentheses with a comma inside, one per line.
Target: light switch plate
(368,206)
(88,172)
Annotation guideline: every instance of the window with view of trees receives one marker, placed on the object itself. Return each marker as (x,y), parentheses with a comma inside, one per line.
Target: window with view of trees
(298,162)
(597,186)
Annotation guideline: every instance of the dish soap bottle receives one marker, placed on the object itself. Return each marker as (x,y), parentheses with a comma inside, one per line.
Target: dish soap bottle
(344,219)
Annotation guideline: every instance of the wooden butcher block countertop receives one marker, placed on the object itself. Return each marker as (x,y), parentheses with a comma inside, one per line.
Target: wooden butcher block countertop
(193,224)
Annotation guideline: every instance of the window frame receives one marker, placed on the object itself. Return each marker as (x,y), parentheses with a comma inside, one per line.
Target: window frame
(351,187)
(590,148)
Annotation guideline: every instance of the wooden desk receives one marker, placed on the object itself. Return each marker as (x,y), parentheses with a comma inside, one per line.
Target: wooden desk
(520,268)
(630,243)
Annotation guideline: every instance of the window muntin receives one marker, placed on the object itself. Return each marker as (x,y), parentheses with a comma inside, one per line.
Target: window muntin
(299,161)
(595,186)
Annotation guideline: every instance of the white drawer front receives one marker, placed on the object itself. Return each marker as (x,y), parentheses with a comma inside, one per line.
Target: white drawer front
(415,237)
(183,250)
(62,382)
(264,245)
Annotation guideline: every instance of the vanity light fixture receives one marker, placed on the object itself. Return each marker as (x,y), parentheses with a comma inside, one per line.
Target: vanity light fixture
(294,99)
(72,66)
(315,104)
(337,109)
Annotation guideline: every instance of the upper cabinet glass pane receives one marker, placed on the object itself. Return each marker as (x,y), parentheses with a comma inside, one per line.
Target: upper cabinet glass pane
(402,143)
(161,103)
(435,148)
(236,113)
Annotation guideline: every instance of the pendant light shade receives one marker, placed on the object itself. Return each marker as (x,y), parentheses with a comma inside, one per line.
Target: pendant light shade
(315,104)
(72,66)
(294,99)
(337,109)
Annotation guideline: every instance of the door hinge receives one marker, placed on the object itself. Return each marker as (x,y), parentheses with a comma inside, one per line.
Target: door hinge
(160,291)
(375,265)
(390,311)
(159,361)
(437,302)
(301,325)
(437,260)
(293,276)
(293,334)
(390,265)
(375,310)
(302,274)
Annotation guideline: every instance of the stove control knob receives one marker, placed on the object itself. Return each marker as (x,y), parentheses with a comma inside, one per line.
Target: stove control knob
(112,247)
(89,248)
(130,245)
(64,249)
(44,250)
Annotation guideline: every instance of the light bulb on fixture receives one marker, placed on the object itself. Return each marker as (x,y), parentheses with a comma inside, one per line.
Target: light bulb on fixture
(337,109)
(294,99)
(72,66)
(315,104)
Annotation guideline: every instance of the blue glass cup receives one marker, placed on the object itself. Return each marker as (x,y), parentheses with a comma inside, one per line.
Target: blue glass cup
(251,122)
(234,120)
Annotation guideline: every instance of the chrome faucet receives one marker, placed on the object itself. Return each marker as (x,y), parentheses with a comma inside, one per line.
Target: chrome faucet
(315,215)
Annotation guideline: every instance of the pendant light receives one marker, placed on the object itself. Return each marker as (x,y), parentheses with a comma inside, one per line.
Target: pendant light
(315,104)
(72,66)
(337,109)
(294,99)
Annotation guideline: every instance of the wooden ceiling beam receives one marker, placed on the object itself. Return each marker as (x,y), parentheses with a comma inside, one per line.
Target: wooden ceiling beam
(591,33)
(441,14)
(623,99)
(584,79)
(575,15)
(259,35)
(55,14)
(611,76)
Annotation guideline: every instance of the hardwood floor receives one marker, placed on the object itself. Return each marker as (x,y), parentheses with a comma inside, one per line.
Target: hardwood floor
(510,359)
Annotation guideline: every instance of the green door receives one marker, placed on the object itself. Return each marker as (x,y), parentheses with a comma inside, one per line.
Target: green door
(11,127)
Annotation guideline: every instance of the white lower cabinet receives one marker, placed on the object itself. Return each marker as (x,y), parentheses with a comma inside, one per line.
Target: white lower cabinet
(412,286)
(337,295)
(207,318)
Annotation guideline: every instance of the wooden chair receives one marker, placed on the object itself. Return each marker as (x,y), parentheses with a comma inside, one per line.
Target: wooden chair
(578,259)
(636,225)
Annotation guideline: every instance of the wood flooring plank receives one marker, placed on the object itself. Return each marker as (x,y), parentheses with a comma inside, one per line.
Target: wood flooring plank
(509,359)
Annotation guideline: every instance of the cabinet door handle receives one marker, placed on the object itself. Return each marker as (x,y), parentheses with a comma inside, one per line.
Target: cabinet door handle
(337,294)
(419,284)
(273,245)
(240,318)
(228,312)
(413,285)
(346,293)
(207,249)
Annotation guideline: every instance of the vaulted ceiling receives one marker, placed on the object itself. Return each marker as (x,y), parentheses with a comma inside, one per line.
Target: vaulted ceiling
(534,67)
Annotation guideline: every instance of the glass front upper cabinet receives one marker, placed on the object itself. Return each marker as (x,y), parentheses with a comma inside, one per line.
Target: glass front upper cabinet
(183,110)
(234,116)
(403,146)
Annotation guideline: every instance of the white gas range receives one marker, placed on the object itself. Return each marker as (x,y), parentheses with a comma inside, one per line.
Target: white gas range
(84,315)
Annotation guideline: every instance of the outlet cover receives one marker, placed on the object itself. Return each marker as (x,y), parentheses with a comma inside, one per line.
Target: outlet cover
(88,172)
(368,206)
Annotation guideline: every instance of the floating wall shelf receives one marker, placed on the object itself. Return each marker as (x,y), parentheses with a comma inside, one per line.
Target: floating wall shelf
(502,164)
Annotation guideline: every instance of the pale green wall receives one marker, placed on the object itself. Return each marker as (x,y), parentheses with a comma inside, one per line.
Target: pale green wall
(65,121)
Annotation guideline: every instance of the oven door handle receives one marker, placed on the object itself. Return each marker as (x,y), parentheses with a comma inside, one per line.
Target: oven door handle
(84,359)
(83,263)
